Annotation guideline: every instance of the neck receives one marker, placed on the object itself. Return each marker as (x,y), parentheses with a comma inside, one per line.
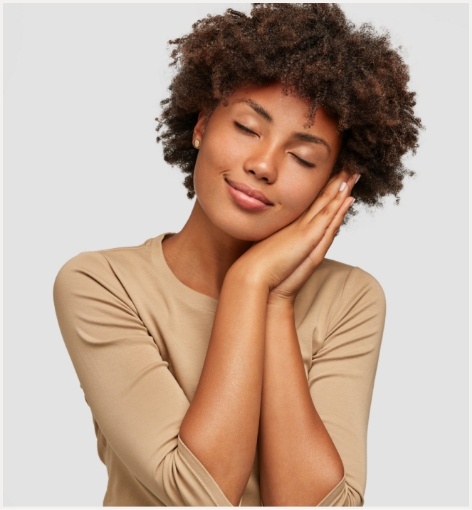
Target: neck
(201,254)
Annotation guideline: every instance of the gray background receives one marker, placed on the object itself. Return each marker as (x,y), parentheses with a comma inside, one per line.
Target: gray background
(82,171)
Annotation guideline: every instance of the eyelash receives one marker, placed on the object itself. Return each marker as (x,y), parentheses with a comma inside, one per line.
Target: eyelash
(244,128)
(300,160)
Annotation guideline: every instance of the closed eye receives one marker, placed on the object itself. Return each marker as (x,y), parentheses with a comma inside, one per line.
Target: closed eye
(244,128)
(303,162)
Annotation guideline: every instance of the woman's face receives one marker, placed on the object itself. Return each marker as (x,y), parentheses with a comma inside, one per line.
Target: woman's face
(262,161)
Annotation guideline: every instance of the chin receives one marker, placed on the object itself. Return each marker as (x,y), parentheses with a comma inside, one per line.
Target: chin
(249,233)
(241,225)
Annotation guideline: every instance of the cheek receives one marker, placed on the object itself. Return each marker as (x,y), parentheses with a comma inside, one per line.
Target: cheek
(302,195)
(219,149)
(209,166)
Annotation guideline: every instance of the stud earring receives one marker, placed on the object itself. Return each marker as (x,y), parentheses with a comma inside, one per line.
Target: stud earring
(196,143)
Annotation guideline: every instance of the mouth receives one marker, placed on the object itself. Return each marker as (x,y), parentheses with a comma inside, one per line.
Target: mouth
(249,195)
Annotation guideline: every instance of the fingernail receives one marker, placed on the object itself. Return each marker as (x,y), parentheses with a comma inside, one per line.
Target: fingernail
(352,201)
(343,185)
(357,178)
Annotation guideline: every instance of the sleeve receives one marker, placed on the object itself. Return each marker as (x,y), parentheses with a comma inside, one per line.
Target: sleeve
(134,398)
(341,379)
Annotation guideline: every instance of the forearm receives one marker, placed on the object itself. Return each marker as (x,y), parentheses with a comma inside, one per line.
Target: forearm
(221,425)
(299,462)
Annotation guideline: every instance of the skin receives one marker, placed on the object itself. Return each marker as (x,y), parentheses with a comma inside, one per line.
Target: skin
(253,392)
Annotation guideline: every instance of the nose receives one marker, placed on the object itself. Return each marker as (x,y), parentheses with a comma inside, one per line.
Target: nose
(262,165)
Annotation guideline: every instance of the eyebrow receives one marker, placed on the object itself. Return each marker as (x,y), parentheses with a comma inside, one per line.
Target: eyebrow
(258,109)
(304,137)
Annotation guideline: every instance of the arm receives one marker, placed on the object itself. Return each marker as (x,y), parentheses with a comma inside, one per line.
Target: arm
(341,379)
(135,400)
(299,462)
(221,425)
(186,454)
(313,442)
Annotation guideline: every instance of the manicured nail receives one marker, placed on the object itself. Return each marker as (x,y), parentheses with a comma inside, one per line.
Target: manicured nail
(352,201)
(343,185)
(357,178)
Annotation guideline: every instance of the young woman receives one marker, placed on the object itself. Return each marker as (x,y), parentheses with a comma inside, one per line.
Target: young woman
(231,363)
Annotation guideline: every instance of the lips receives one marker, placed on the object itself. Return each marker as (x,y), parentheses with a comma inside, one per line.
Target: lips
(250,192)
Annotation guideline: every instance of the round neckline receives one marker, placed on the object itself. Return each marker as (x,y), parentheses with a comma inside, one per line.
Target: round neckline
(186,293)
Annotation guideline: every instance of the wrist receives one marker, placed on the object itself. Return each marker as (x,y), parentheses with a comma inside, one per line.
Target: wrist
(280,304)
(241,274)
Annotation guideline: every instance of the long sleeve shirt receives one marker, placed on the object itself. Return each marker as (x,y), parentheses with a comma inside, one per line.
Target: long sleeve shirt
(138,337)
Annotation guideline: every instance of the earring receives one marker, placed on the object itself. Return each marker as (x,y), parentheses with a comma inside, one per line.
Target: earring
(196,143)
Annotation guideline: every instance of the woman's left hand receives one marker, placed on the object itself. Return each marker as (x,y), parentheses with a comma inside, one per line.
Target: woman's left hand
(286,291)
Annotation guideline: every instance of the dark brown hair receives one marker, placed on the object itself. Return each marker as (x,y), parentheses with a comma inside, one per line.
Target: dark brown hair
(320,56)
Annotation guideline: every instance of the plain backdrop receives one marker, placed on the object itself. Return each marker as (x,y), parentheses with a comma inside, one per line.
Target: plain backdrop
(82,171)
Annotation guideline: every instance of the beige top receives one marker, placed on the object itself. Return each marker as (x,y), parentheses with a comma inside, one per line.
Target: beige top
(137,337)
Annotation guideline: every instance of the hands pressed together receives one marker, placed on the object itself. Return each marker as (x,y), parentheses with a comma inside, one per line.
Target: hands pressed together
(286,259)
(253,393)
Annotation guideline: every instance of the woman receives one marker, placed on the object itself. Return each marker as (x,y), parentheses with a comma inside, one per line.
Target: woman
(232,363)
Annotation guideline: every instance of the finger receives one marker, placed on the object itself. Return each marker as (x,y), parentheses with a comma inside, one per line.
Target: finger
(336,189)
(327,193)
(308,247)
(328,212)
(330,190)
(318,254)
(314,257)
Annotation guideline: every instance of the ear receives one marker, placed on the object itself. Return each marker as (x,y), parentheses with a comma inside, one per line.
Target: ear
(200,126)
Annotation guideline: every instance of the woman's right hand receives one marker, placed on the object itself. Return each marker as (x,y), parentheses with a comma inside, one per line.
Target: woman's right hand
(287,258)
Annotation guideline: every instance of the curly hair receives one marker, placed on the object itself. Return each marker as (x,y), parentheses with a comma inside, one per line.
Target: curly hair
(319,56)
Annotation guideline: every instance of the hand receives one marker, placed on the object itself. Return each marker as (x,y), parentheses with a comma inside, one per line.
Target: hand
(288,288)
(287,258)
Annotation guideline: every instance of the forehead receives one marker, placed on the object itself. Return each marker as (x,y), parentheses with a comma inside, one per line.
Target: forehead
(274,95)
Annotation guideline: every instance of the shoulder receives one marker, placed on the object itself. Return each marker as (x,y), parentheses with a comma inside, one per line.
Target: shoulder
(99,258)
(339,278)
(337,289)
(359,295)
(353,279)
(346,305)
(107,268)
